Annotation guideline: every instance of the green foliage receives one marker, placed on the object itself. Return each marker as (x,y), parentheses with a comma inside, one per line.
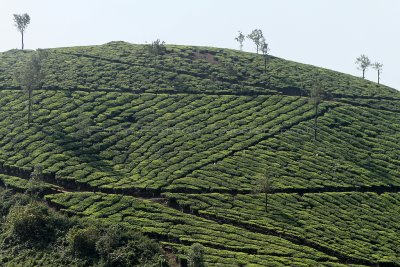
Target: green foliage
(21,23)
(8,201)
(120,247)
(82,242)
(350,222)
(264,185)
(363,62)
(122,66)
(33,234)
(169,224)
(240,39)
(257,37)
(33,223)
(156,47)
(202,120)
(114,245)
(195,255)
(31,77)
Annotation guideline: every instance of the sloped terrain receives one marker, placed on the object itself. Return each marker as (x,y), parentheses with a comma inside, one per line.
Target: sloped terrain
(173,145)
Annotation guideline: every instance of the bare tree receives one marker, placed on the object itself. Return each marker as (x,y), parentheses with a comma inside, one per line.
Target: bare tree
(363,63)
(264,49)
(21,22)
(264,185)
(256,36)
(240,39)
(31,77)
(378,67)
(316,97)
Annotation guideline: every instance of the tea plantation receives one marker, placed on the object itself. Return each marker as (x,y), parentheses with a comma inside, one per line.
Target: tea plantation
(173,145)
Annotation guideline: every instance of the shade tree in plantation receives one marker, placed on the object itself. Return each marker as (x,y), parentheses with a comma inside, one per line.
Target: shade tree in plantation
(156,47)
(316,93)
(21,22)
(378,67)
(37,173)
(363,62)
(31,77)
(240,39)
(83,130)
(257,37)
(35,185)
(195,255)
(264,185)
(264,49)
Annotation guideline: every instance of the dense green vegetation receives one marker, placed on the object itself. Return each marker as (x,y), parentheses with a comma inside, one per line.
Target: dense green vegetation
(362,225)
(31,234)
(171,144)
(171,225)
(127,67)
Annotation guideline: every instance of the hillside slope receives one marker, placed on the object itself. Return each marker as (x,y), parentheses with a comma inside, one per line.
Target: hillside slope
(173,145)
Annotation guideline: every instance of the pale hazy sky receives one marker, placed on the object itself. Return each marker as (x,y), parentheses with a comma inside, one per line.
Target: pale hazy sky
(326,33)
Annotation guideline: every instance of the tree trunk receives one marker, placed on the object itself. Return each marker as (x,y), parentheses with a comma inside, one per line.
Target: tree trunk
(22,33)
(265,64)
(379,76)
(363,73)
(29,106)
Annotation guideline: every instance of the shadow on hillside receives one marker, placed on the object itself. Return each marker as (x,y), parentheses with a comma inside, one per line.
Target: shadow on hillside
(282,217)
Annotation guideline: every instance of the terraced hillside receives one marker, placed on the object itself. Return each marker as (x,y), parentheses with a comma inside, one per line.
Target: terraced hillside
(173,145)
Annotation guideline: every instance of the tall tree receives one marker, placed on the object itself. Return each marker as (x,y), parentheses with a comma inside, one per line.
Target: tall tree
(37,173)
(195,255)
(21,22)
(316,97)
(256,36)
(240,39)
(31,77)
(36,185)
(264,49)
(83,129)
(264,185)
(378,67)
(363,63)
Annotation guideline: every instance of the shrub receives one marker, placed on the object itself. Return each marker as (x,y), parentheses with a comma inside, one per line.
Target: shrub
(156,48)
(8,200)
(118,246)
(33,223)
(82,241)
